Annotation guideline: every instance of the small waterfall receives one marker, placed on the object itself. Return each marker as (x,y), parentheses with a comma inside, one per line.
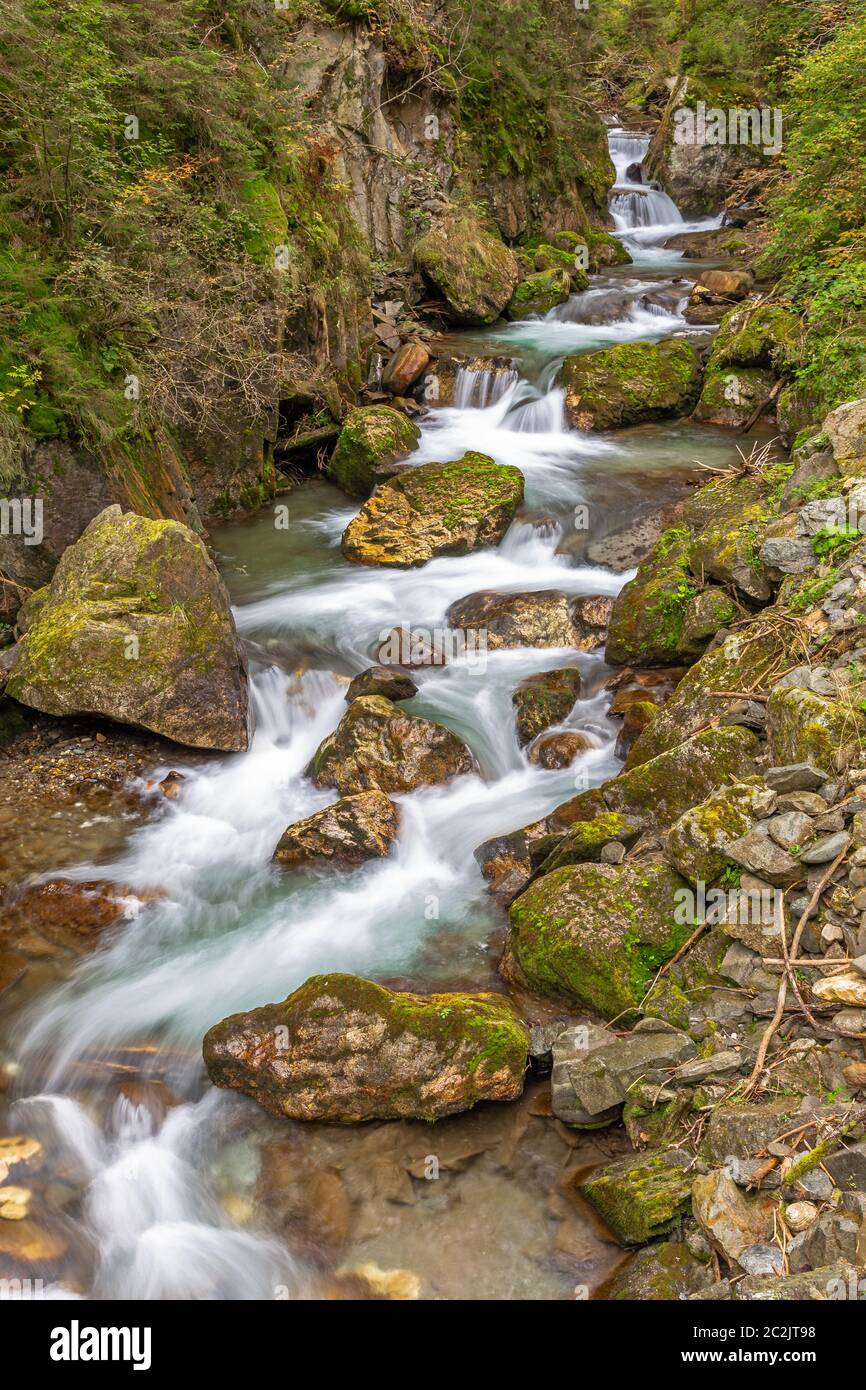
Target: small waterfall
(626,147)
(639,206)
(478,386)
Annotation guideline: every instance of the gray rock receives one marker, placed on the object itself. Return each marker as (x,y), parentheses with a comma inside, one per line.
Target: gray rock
(727,1060)
(761,856)
(762,1258)
(847,1167)
(788,556)
(790,829)
(820,513)
(832,1237)
(826,849)
(795,777)
(592,1069)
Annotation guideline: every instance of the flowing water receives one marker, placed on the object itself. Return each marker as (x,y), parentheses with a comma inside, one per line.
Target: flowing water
(170,1189)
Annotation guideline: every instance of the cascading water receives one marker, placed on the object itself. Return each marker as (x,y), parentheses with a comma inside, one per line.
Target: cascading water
(642,213)
(227,931)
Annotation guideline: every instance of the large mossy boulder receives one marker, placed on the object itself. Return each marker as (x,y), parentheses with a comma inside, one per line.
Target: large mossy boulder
(755,335)
(631,382)
(646,624)
(351,831)
(642,1196)
(803,727)
(345,1050)
(731,396)
(595,934)
(542,700)
(657,792)
(136,626)
(728,520)
(539,293)
(372,437)
(379,746)
(435,509)
(472,269)
(737,663)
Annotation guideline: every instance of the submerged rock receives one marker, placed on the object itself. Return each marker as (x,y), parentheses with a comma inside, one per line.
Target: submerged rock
(631,382)
(472,269)
(353,830)
(345,1050)
(371,436)
(136,626)
(435,509)
(378,746)
(595,933)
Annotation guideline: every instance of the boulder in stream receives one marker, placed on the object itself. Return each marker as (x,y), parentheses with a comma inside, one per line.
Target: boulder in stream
(544,699)
(539,293)
(545,618)
(630,383)
(372,436)
(595,934)
(379,746)
(435,509)
(136,626)
(345,1050)
(351,831)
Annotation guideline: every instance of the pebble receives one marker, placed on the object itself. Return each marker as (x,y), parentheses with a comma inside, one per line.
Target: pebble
(800,1215)
(832,932)
(859,964)
(613,853)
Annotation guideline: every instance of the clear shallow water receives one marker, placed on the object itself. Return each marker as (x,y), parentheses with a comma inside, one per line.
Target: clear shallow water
(171,1193)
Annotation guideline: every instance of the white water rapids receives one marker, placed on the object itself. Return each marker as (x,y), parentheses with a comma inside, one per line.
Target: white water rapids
(232,932)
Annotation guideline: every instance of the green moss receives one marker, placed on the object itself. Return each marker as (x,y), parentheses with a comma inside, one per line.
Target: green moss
(371,436)
(642,1197)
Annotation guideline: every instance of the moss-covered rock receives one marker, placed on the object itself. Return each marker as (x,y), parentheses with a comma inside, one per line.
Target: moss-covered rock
(708,611)
(631,382)
(544,699)
(642,1196)
(539,293)
(739,662)
(730,397)
(344,1050)
(657,792)
(750,335)
(605,250)
(595,934)
(665,1272)
(379,746)
(646,624)
(371,436)
(136,626)
(728,520)
(470,267)
(353,830)
(435,509)
(803,727)
(584,842)
(695,844)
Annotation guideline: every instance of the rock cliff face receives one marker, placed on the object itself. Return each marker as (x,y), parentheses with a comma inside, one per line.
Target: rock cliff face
(233,309)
